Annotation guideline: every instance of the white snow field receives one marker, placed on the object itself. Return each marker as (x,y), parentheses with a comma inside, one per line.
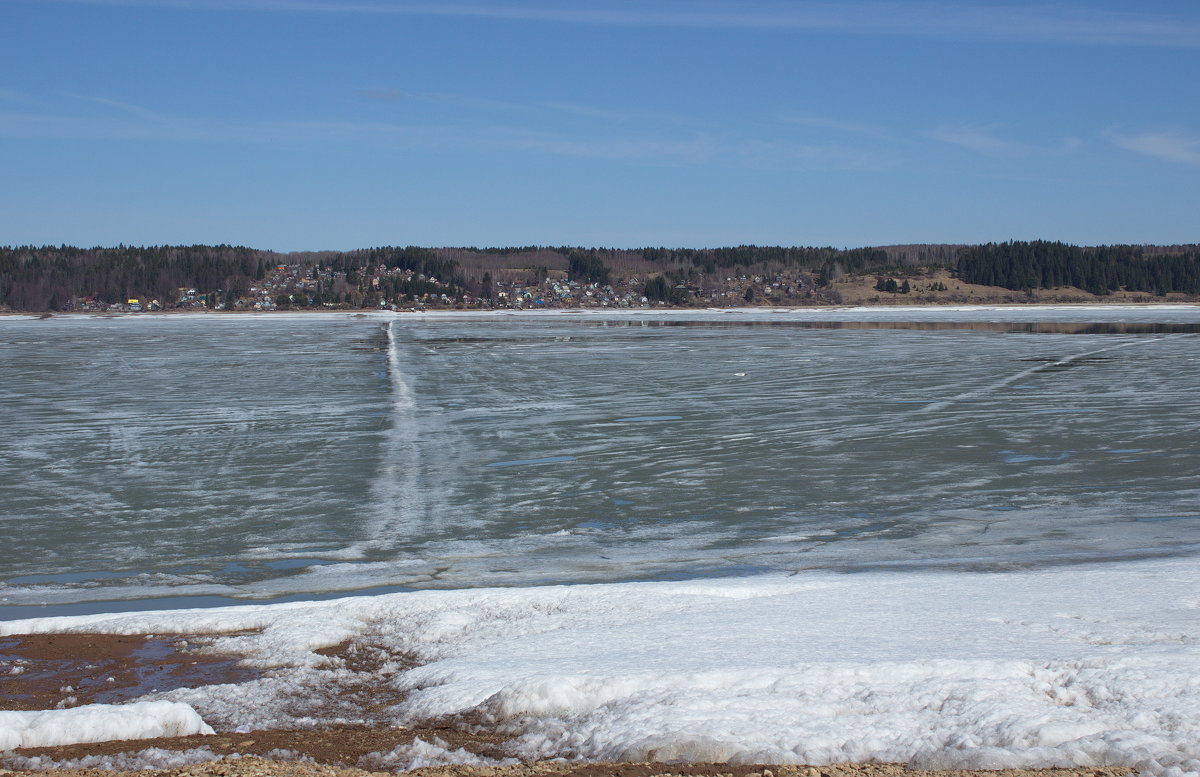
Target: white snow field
(1071,665)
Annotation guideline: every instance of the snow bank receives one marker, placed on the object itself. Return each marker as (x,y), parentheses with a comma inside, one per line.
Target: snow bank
(150,758)
(419,754)
(1083,666)
(99,723)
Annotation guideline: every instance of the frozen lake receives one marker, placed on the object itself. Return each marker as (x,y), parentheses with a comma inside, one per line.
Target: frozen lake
(232,457)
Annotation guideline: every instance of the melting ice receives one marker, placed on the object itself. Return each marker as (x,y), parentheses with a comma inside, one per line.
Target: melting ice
(236,458)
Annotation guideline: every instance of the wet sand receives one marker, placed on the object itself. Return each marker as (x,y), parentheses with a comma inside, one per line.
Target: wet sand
(68,670)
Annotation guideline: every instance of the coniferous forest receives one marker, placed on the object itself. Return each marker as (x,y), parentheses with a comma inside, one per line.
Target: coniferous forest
(1100,270)
(58,278)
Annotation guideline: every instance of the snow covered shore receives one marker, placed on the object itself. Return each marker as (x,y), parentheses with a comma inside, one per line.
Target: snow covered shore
(1070,666)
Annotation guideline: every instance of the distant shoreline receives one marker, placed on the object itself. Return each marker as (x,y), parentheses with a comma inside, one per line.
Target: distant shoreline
(548,312)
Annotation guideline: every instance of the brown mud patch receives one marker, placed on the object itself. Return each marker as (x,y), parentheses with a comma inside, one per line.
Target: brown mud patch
(49,671)
(342,745)
(335,745)
(366,695)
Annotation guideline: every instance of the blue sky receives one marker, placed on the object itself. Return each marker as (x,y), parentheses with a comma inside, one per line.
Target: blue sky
(315,124)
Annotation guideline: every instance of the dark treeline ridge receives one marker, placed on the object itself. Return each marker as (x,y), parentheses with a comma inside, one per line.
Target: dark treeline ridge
(47,278)
(50,278)
(1100,270)
(424,261)
(588,268)
(830,260)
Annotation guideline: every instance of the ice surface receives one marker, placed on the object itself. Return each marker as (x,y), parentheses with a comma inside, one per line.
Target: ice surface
(228,457)
(1080,665)
(99,723)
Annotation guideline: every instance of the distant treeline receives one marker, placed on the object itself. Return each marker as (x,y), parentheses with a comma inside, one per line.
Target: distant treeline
(48,278)
(1100,270)
(827,260)
(422,261)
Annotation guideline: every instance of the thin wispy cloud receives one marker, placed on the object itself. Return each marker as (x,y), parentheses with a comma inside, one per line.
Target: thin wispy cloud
(134,110)
(132,125)
(1171,146)
(386,135)
(587,111)
(442,98)
(694,150)
(778,155)
(491,106)
(551,108)
(982,140)
(687,148)
(837,125)
(1064,23)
